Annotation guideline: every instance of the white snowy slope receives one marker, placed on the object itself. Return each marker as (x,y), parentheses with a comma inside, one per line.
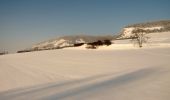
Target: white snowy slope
(127,32)
(136,74)
(153,26)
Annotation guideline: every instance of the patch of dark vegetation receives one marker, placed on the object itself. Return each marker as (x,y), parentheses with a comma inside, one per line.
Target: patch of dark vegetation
(23,51)
(4,53)
(78,44)
(107,42)
(94,45)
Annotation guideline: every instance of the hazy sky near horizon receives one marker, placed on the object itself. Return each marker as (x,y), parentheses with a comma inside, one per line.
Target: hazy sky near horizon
(26,22)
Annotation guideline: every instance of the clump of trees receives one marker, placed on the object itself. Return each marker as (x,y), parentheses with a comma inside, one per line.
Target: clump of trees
(107,42)
(78,44)
(139,36)
(23,51)
(94,45)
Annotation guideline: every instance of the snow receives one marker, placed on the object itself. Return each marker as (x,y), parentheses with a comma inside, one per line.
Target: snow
(80,41)
(61,41)
(66,74)
(163,37)
(152,28)
(117,72)
(127,32)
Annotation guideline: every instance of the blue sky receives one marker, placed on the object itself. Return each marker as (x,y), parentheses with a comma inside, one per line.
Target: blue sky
(26,22)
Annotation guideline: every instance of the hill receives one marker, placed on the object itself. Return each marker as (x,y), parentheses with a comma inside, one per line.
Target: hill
(163,23)
(71,41)
(93,41)
(148,27)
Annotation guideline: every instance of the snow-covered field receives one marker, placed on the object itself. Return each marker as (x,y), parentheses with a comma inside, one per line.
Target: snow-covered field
(117,72)
(128,74)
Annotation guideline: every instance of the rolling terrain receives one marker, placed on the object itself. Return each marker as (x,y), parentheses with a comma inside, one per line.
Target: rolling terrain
(120,71)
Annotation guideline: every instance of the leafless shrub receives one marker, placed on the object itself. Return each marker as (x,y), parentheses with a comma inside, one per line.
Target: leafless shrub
(139,36)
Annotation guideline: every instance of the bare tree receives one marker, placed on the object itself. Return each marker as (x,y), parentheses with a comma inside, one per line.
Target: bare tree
(139,36)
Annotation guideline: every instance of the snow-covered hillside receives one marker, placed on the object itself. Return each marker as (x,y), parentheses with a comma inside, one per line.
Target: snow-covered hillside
(58,43)
(127,32)
(68,41)
(158,27)
(149,27)
(159,39)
